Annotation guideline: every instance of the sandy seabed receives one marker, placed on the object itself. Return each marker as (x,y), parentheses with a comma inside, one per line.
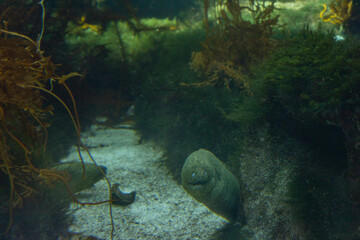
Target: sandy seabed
(162,209)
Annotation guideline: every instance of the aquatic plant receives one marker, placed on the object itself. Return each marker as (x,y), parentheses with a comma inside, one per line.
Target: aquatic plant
(312,81)
(26,74)
(234,42)
(24,71)
(28,24)
(176,114)
(340,12)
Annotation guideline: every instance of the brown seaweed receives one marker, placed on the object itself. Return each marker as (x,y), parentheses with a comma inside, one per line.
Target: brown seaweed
(26,75)
(234,43)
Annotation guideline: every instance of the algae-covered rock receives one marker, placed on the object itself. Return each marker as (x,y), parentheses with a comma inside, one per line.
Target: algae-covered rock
(207,179)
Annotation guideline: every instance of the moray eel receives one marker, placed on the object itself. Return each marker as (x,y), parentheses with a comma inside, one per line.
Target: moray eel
(207,179)
(77,180)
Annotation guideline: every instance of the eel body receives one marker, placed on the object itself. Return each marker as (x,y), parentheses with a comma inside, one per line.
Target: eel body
(208,180)
(78,180)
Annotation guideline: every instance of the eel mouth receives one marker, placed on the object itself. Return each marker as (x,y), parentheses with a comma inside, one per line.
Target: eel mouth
(199,179)
(197,183)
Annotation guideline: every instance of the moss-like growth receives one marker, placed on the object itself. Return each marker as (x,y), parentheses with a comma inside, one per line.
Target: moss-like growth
(114,55)
(179,116)
(311,78)
(321,206)
(306,85)
(310,86)
(295,15)
(119,39)
(184,119)
(313,74)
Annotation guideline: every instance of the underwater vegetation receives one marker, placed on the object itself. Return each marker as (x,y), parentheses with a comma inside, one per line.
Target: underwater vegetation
(198,107)
(23,131)
(319,85)
(196,87)
(27,79)
(227,52)
(179,119)
(123,45)
(315,79)
(302,85)
(343,14)
(30,20)
(340,12)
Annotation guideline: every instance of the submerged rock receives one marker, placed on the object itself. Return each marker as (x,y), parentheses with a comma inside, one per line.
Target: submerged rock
(121,198)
